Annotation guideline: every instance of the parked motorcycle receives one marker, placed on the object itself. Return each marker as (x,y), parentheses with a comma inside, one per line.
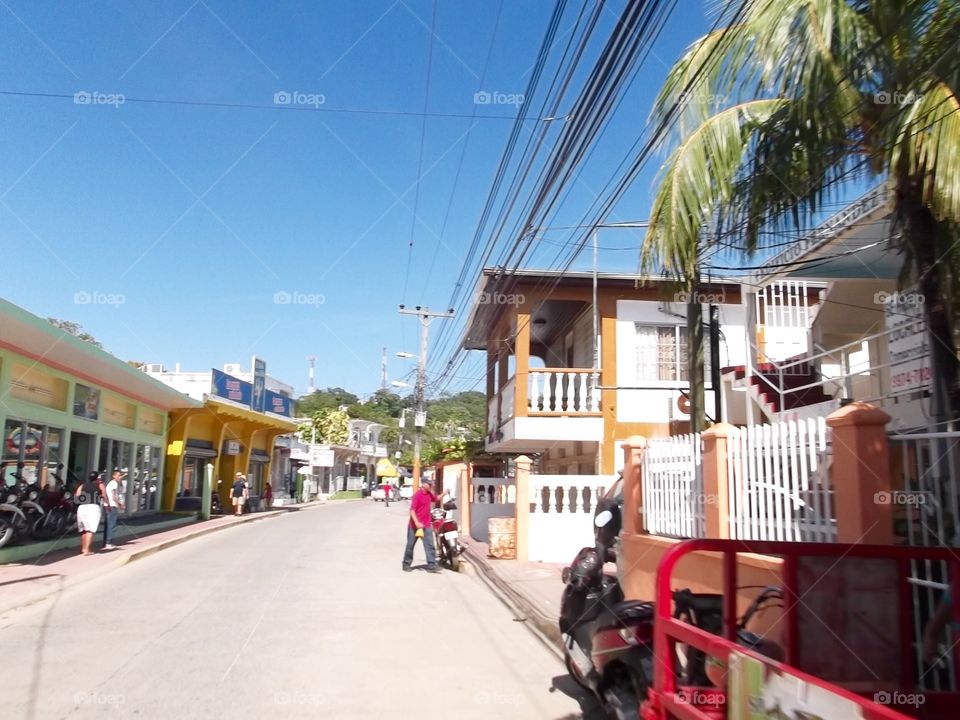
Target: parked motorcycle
(11,516)
(58,509)
(216,505)
(607,640)
(26,497)
(447,535)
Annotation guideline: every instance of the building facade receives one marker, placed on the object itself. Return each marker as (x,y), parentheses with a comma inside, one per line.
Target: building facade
(68,408)
(234,429)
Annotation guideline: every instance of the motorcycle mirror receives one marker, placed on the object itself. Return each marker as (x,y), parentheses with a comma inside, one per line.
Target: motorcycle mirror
(603,518)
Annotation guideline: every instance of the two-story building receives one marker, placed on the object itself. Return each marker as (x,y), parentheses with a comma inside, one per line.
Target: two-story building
(577,363)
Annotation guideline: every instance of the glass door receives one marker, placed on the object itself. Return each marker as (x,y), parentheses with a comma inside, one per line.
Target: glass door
(79,458)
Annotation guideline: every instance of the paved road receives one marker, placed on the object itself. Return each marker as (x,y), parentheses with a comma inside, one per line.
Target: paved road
(306,615)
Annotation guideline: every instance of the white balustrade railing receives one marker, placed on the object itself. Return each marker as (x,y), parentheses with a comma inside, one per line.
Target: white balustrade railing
(569,391)
(673,496)
(779,484)
(561,514)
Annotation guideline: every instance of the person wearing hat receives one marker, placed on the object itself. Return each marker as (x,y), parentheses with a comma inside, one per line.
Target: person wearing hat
(112,505)
(88,510)
(420,527)
(241,491)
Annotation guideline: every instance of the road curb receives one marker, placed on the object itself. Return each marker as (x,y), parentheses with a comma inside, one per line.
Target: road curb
(69,581)
(543,627)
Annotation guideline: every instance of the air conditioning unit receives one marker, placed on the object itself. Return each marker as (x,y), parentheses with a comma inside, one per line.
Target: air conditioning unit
(154,367)
(231,368)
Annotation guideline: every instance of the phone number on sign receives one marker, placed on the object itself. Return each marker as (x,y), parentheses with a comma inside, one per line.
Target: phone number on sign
(908,378)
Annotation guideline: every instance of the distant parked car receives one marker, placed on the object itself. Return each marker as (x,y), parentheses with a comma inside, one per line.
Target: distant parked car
(406,491)
(380,493)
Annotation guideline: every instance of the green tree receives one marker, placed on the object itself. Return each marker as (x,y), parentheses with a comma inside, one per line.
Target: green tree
(329,399)
(777,111)
(75,329)
(327,427)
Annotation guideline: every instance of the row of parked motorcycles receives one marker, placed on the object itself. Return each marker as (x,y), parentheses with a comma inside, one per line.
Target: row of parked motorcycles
(608,640)
(29,511)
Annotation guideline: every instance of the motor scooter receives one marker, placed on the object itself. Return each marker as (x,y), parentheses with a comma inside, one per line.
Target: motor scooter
(607,640)
(11,516)
(216,505)
(447,535)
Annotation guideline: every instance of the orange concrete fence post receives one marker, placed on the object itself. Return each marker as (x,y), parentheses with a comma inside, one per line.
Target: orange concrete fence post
(523,507)
(860,474)
(716,483)
(633,450)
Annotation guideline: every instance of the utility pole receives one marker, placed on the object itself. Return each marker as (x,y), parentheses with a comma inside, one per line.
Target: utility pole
(420,416)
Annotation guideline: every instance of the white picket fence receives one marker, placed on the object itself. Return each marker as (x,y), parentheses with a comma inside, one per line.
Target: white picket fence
(779,482)
(561,514)
(673,487)
(490,497)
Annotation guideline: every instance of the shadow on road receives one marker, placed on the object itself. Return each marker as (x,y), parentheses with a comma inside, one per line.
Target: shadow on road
(589,707)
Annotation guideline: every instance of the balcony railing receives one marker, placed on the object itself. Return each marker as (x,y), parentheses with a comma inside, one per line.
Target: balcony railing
(550,392)
(563,391)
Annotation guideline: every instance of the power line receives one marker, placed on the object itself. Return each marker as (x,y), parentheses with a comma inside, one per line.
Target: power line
(305,108)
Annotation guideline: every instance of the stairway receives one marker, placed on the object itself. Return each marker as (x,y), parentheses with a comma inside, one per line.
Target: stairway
(766,377)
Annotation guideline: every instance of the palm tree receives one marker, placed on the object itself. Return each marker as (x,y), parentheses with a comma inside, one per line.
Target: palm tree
(791,99)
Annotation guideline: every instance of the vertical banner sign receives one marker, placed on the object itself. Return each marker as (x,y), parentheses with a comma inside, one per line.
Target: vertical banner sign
(259,384)
(907,343)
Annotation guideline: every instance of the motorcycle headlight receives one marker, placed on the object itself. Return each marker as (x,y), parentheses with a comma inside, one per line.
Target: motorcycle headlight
(33,494)
(12,498)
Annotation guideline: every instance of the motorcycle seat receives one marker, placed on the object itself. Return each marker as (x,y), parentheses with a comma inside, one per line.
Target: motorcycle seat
(629,612)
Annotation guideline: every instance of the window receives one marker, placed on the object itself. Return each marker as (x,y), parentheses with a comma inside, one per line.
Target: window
(661,353)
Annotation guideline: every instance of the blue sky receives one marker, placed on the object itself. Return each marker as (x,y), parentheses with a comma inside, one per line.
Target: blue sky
(173,233)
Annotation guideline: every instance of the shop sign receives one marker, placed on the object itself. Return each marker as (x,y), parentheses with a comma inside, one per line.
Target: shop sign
(230,388)
(231,447)
(86,402)
(907,341)
(321,456)
(259,397)
(279,405)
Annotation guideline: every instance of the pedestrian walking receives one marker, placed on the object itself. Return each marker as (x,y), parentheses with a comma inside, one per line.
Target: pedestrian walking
(240,493)
(268,496)
(420,526)
(112,505)
(88,496)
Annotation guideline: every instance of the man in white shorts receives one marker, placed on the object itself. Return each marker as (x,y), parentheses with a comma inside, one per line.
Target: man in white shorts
(88,512)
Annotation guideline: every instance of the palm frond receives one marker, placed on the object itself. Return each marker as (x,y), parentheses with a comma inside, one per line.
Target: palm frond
(698,176)
(927,147)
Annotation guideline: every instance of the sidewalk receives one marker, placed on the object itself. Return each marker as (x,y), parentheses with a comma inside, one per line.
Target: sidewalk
(33,580)
(532,589)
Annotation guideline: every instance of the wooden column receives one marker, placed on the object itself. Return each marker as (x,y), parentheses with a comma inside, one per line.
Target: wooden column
(633,449)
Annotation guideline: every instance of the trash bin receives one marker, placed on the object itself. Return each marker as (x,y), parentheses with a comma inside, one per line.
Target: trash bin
(502,532)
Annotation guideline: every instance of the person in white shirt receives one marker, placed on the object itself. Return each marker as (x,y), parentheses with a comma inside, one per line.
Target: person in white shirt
(113,505)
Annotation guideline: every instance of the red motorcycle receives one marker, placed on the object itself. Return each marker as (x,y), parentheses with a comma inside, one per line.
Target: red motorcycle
(446,534)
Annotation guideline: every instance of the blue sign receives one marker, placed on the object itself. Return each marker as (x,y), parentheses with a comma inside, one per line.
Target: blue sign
(231,388)
(278,404)
(259,385)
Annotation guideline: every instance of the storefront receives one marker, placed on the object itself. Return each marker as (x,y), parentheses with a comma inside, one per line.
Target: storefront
(68,408)
(226,433)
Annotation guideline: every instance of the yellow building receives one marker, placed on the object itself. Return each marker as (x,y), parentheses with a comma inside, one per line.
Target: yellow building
(231,437)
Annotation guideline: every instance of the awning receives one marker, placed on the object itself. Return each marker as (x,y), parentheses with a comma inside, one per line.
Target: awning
(385,468)
(199,448)
(259,456)
(304,471)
